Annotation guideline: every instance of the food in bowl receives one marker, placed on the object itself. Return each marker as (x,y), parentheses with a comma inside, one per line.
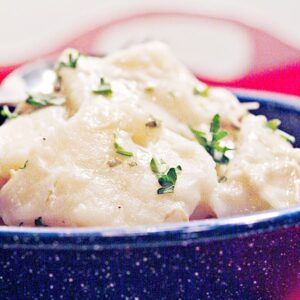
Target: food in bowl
(135,139)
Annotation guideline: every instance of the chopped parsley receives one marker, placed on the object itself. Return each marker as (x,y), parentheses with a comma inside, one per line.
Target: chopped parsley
(25,165)
(212,146)
(5,112)
(121,150)
(287,137)
(103,89)
(158,167)
(38,222)
(42,101)
(204,92)
(114,162)
(274,125)
(166,179)
(72,61)
(132,164)
(149,89)
(222,179)
(153,123)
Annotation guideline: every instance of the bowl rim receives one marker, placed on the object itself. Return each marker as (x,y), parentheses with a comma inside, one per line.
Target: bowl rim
(184,233)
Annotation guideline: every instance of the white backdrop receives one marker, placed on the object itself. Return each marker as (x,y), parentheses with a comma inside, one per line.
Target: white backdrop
(31,27)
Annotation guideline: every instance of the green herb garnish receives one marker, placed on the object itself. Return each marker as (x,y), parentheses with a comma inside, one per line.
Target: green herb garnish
(204,92)
(166,179)
(213,146)
(38,222)
(5,112)
(42,101)
(153,123)
(103,89)
(121,150)
(114,162)
(25,165)
(274,125)
(286,136)
(222,179)
(158,167)
(132,164)
(72,61)
(149,89)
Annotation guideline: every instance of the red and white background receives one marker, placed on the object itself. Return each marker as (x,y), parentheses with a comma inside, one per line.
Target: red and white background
(249,44)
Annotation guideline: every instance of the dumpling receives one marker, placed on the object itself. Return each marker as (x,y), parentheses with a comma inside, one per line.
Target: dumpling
(264,173)
(76,177)
(20,135)
(151,77)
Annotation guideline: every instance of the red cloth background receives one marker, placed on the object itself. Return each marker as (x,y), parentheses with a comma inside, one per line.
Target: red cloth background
(276,66)
(283,80)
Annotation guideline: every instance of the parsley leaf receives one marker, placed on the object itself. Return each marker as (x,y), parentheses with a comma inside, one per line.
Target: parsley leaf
(274,124)
(158,167)
(153,123)
(5,112)
(167,180)
(38,222)
(114,162)
(287,137)
(149,89)
(103,89)
(132,164)
(213,146)
(25,165)
(222,179)
(121,150)
(42,101)
(72,61)
(204,92)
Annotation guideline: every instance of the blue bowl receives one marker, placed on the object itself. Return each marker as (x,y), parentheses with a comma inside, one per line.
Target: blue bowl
(251,257)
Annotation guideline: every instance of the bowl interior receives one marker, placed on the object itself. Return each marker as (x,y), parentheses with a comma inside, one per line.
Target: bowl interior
(285,108)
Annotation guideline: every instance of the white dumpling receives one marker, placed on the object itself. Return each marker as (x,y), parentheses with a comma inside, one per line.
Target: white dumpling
(76,178)
(156,81)
(264,173)
(18,136)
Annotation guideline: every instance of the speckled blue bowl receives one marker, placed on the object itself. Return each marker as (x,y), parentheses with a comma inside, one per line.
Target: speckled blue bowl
(251,257)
